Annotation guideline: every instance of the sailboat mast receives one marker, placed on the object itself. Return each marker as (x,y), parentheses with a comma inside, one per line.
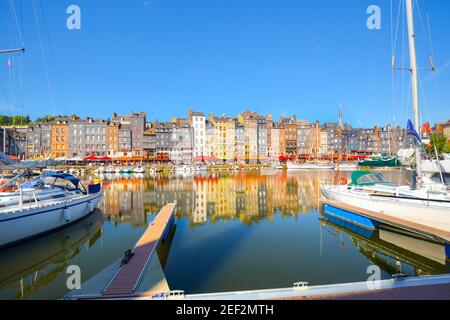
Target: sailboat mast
(413,62)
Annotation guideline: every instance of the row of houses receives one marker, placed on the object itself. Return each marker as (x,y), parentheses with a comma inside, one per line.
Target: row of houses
(247,138)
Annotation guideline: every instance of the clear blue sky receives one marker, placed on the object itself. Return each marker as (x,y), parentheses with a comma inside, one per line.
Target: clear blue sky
(223,56)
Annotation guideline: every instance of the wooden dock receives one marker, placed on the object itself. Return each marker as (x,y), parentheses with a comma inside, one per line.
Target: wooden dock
(430,292)
(142,273)
(415,288)
(129,275)
(386,218)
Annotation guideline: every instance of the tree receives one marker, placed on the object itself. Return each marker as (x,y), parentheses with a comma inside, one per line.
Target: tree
(47,118)
(14,120)
(439,141)
(447,149)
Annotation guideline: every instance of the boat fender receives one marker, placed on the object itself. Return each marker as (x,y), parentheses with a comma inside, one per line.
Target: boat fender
(90,206)
(66,215)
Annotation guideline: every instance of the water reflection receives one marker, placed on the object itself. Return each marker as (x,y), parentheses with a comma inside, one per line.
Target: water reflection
(394,251)
(32,266)
(235,231)
(248,197)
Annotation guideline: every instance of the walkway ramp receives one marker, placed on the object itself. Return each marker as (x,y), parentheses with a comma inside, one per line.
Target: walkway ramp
(142,273)
(129,275)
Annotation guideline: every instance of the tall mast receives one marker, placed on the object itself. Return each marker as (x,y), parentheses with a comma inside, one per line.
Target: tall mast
(413,62)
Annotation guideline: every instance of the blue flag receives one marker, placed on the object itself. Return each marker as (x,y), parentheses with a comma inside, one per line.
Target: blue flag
(412,130)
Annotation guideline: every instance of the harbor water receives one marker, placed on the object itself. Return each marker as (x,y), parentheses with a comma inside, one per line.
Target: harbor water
(234,231)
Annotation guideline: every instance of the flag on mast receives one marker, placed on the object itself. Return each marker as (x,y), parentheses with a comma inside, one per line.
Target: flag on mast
(412,130)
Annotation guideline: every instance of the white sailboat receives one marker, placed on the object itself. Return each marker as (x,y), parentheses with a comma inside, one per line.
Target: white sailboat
(316,166)
(52,201)
(425,204)
(139,169)
(45,204)
(346,166)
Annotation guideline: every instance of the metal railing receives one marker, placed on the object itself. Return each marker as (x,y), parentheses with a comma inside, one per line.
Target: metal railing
(32,195)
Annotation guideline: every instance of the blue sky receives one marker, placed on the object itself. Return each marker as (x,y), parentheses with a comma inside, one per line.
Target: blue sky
(224,56)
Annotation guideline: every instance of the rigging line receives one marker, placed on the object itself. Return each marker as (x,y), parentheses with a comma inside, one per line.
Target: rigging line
(425,102)
(43,54)
(394,48)
(392,28)
(21,84)
(402,76)
(52,56)
(423,27)
(17,23)
(429,28)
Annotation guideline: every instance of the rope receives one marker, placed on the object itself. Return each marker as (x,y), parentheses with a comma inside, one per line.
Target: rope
(13,8)
(52,57)
(44,59)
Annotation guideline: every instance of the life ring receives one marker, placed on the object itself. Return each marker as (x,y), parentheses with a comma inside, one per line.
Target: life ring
(343,181)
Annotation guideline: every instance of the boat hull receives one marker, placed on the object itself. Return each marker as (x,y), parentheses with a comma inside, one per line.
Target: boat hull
(293,166)
(427,213)
(432,166)
(24,225)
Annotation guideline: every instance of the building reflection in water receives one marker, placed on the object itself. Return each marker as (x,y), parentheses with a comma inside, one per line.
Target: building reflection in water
(251,198)
(208,198)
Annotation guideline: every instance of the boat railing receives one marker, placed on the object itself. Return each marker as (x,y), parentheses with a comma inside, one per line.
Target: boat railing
(32,195)
(436,187)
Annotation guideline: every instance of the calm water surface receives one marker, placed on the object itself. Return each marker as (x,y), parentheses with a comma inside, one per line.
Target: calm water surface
(234,232)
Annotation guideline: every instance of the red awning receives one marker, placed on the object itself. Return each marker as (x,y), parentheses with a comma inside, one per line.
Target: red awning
(201,158)
(91,158)
(284,158)
(105,159)
(102,159)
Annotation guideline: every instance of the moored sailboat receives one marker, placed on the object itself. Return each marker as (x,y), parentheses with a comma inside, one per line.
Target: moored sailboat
(420,203)
(42,205)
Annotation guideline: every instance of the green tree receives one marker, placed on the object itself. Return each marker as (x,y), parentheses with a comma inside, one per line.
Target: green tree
(14,120)
(439,141)
(47,118)
(447,149)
